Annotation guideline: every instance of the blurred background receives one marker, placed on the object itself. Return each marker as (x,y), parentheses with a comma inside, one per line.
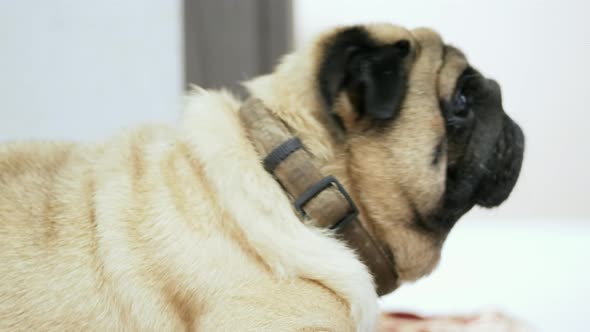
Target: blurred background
(86,69)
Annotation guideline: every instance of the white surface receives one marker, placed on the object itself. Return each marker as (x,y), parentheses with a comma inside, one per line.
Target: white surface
(84,69)
(536,271)
(538,51)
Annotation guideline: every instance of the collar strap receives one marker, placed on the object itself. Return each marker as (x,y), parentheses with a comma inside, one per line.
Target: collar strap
(320,200)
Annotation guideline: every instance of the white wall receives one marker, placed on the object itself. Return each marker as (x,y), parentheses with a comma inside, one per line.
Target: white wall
(538,51)
(83,69)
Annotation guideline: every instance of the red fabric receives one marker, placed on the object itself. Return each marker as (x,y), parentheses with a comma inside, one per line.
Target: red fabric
(487,321)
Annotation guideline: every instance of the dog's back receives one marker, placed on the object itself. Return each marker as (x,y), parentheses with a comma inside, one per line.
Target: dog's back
(47,238)
(71,224)
(129,235)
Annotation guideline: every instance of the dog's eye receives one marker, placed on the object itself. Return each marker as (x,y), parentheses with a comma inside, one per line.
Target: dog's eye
(460,105)
(461,101)
(460,111)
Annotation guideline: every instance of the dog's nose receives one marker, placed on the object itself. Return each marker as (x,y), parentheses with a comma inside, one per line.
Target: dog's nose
(494,89)
(518,136)
(493,84)
(514,137)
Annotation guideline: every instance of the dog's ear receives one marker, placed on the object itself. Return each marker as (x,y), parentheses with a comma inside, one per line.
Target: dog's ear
(373,76)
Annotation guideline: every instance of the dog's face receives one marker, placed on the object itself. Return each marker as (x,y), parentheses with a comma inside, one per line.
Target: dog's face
(417,135)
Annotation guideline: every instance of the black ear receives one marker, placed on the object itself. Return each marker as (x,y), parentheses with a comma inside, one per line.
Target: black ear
(381,79)
(374,76)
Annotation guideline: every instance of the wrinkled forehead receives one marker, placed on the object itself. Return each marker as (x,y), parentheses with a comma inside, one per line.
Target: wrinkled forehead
(430,54)
(425,43)
(451,62)
(454,64)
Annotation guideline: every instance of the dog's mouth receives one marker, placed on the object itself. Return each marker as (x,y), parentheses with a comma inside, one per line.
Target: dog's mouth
(485,150)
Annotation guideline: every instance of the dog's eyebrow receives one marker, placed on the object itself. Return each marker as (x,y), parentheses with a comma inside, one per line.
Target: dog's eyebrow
(450,50)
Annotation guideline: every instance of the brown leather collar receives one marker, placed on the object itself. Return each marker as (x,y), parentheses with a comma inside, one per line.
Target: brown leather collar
(321,201)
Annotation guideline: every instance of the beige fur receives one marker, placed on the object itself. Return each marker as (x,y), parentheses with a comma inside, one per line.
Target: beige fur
(167,228)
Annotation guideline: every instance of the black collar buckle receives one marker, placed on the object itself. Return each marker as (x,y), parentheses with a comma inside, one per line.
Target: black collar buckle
(318,187)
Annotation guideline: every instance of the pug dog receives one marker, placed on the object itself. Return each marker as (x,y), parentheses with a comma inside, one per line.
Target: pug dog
(181,228)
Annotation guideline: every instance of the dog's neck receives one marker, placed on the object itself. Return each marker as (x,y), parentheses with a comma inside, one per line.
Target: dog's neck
(320,200)
(300,107)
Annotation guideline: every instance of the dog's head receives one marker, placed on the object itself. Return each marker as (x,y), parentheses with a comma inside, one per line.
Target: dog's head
(415,133)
